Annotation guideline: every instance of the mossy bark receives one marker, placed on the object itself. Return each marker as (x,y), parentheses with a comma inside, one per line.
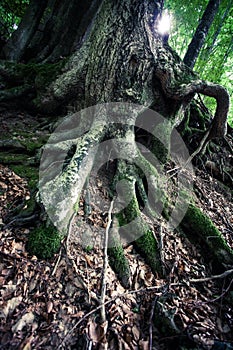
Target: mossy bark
(119,263)
(22,81)
(197,225)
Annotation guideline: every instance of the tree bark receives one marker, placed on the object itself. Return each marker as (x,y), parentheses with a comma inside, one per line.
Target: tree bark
(42,36)
(200,35)
(16,46)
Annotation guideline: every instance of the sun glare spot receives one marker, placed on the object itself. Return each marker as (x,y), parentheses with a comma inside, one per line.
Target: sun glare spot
(164,24)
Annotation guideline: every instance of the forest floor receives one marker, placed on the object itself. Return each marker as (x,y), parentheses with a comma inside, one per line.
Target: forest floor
(54,304)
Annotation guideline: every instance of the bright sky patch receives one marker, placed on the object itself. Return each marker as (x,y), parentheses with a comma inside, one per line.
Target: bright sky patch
(164,24)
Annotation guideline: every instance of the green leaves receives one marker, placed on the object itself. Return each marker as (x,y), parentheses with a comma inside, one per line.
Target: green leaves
(11,12)
(216,58)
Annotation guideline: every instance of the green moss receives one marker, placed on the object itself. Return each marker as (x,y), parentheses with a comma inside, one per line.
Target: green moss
(33,74)
(119,263)
(76,207)
(10,158)
(31,174)
(33,144)
(197,224)
(129,214)
(46,73)
(19,163)
(148,248)
(146,244)
(44,242)
(88,248)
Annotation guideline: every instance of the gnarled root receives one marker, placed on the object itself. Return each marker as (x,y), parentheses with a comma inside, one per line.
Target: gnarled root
(197,225)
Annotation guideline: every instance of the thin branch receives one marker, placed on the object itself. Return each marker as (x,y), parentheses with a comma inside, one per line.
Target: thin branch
(69,237)
(223,275)
(57,263)
(151,322)
(161,248)
(120,295)
(222,295)
(201,148)
(217,298)
(105,265)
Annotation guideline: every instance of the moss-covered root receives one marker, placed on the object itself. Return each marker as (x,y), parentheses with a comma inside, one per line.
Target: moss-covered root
(147,246)
(44,241)
(195,223)
(119,264)
(132,227)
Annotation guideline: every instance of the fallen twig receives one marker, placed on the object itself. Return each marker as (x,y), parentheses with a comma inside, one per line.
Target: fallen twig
(151,322)
(69,237)
(142,290)
(57,263)
(202,146)
(224,274)
(222,295)
(105,265)
(161,249)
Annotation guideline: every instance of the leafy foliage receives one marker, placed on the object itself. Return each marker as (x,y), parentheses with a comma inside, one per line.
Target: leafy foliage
(215,60)
(11,12)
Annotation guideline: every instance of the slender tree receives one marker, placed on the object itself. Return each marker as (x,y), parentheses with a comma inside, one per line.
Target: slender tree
(201,32)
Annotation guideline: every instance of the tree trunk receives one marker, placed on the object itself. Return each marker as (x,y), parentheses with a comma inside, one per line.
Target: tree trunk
(42,35)
(220,25)
(201,33)
(121,68)
(15,48)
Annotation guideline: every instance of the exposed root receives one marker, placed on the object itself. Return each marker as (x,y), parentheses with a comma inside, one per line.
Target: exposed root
(187,86)
(133,227)
(197,225)
(57,185)
(136,198)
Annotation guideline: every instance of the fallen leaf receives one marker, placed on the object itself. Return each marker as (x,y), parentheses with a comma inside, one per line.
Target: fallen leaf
(27,319)
(49,306)
(11,305)
(96,331)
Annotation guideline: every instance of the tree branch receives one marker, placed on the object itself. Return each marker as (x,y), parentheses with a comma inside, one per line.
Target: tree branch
(206,279)
(105,265)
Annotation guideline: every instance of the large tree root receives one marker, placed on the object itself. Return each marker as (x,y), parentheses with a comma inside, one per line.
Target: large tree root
(62,183)
(61,187)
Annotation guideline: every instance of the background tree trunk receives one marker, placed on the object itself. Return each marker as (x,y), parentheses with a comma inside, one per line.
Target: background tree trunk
(200,35)
(17,44)
(42,35)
